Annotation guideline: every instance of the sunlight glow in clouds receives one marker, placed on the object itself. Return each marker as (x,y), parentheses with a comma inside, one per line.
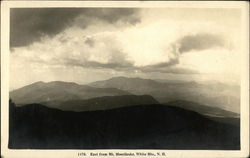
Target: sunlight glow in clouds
(161,41)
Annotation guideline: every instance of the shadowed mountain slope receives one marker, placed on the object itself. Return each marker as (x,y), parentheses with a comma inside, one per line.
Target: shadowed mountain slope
(202,109)
(137,127)
(102,103)
(210,112)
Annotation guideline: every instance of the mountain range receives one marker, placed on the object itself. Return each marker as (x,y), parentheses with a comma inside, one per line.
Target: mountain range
(216,95)
(60,91)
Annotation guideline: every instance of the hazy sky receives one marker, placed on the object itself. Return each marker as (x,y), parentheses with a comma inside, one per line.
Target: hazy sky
(85,45)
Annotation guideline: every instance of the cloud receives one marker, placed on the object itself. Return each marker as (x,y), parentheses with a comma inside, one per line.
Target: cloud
(164,64)
(28,25)
(84,45)
(114,60)
(110,15)
(169,69)
(90,41)
(94,64)
(201,41)
(137,48)
(94,40)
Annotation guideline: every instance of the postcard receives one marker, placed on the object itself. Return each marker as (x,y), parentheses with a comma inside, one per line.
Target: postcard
(124,79)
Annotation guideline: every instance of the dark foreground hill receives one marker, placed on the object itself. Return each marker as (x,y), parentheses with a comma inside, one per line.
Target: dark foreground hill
(137,127)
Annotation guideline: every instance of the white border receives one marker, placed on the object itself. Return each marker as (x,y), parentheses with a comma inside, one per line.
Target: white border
(6,5)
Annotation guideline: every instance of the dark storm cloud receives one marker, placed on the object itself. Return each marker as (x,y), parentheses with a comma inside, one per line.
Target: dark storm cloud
(30,24)
(200,42)
(111,15)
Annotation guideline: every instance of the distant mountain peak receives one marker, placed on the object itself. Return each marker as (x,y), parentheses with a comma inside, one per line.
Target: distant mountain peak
(61,83)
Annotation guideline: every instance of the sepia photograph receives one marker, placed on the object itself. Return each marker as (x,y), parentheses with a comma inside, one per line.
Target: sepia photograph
(125,78)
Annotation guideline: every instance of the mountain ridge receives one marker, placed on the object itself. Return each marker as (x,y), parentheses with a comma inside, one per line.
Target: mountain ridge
(59,90)
(216,94)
